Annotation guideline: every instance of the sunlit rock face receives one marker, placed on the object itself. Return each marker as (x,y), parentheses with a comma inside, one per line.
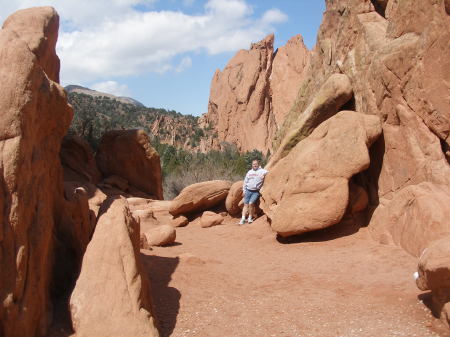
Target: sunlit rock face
(250,98)
(34,118)
(395,56)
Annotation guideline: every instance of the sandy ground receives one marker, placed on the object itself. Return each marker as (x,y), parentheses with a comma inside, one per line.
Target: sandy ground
(233,281)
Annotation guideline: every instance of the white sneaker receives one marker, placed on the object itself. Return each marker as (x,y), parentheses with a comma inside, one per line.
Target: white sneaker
(250,220)
(242,222)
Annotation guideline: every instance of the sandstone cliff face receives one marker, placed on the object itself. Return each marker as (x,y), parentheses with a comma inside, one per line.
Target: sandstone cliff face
(34,118)
(251,96)
(395,54)
(288,71)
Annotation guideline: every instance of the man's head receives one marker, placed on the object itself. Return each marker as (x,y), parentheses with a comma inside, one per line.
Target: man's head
(255,164)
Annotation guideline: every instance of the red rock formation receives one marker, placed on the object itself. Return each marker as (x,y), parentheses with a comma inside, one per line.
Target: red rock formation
(35,117)
(394,55)
(241,95)
(330,98)
(308,189)
(434,275)
(288,72)
(210,219)
(161,235)
(128,154)
(40,33)
(200,197)
(111,297)
(78,161)
(234,197)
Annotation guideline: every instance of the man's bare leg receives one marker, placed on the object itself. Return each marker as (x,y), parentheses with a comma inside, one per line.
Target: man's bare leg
(244,214)
(251,213)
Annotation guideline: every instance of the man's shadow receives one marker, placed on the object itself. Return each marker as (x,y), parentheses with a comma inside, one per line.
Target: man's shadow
(166,299)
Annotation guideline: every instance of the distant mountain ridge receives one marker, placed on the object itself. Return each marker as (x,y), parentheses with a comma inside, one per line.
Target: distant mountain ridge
(83,90)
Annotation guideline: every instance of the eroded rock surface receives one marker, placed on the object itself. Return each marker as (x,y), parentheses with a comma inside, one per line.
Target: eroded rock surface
(434,275)
(288,71)
(415,217)
(210,219)
(308,189)
(128,154)
(161,235)
(111,296)
(78,161)
(34,118)
(394,54)
(234,197)
(255,91)
(200,197)
(334,93)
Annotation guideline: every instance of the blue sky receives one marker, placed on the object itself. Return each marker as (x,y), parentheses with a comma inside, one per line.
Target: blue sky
(164,52)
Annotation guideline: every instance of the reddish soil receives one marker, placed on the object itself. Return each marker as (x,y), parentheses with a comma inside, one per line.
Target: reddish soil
(235,281)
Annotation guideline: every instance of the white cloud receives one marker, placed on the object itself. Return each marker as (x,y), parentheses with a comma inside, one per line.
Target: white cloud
(274,15)
(185,63)
(112,87)
(79,13)
(228,8)
(106,39)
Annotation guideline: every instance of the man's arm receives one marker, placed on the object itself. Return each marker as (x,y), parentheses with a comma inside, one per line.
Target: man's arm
(245,183)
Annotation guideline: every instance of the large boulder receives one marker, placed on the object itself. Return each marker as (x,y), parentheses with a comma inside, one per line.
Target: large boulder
(112,275)
(434,275)
(78,161)
(234,197)
(179,221)
(209,219)
(128,154)
(246,96)
(162,235)
(34,118)
(152,213)
(200,197)
(317,172)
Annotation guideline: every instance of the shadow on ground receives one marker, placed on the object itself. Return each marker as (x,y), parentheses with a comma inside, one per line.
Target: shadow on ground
(344,228)
(436,324)
(166,299)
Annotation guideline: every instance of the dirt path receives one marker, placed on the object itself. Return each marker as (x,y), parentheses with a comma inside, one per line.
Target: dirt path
(233,281)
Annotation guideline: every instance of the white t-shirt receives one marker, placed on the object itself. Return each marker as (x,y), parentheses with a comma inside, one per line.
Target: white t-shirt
(254,179)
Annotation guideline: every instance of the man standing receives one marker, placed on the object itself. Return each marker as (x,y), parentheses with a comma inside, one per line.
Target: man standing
(253,182)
